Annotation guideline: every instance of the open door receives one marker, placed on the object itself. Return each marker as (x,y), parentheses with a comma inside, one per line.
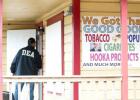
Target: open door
(17,39)
(53,50)
(54,57)
(55,46)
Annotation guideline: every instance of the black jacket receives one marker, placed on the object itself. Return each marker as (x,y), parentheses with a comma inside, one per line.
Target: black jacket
(26,62)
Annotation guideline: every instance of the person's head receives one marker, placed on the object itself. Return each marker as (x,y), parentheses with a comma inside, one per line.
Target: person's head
(31,42)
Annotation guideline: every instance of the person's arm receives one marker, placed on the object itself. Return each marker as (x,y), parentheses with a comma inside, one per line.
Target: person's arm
(38,61)
(14,63)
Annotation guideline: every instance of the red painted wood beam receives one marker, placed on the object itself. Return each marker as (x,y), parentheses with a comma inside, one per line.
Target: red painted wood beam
(76,91)
(76,45)
(124,55)
(1,50)
(76,36)
(62,43)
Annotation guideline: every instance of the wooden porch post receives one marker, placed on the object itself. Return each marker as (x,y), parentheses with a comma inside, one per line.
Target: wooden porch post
(1,50)
(124,52)
(76,45)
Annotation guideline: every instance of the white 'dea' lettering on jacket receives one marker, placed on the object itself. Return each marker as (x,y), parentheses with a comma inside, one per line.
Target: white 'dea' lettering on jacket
(28,53)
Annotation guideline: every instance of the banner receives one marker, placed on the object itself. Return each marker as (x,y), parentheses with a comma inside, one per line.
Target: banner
(101,41)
